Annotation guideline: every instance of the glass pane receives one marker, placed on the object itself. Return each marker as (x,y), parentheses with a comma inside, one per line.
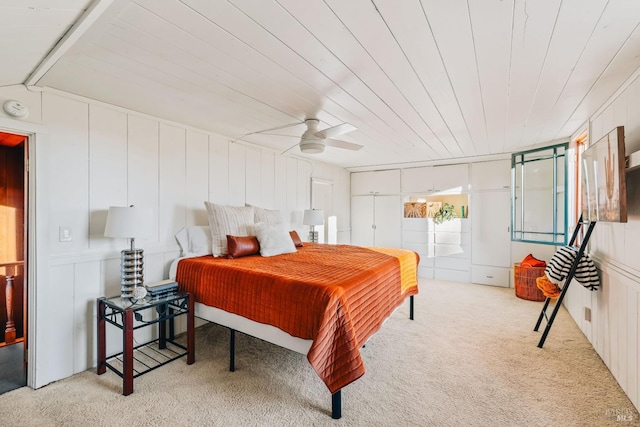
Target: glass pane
(539,196)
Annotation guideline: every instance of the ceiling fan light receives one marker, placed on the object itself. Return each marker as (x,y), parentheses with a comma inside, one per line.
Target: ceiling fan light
(311,147)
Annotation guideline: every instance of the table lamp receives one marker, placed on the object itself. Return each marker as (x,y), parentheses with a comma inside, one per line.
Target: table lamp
(130,222)
(313,217)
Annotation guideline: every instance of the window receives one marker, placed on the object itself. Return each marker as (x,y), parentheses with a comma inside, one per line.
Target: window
(539,195)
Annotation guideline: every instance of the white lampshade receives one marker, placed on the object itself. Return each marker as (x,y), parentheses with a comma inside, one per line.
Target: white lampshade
(313,217)
(128,221)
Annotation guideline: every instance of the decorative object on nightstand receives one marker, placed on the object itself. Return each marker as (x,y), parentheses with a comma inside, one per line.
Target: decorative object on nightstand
(313,217)
(162,289)
(130,222)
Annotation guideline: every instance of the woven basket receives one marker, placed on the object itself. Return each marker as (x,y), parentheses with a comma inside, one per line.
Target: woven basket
(524,279)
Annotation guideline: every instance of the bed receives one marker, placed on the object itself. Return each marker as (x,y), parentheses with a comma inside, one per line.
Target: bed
(324,301)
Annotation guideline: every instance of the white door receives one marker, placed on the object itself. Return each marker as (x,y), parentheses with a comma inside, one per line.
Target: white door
(490,222)
(362,221)
(388,221)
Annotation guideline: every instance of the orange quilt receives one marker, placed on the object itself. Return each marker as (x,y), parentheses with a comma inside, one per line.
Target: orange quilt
(336,295)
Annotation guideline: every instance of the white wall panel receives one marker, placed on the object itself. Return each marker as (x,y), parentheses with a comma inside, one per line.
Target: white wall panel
(633,349)
(304,184)
(55,340)
(67,171)
(280,180)
(253,162)
(291,184)
(172,182)
(267,180)
(86,279)
(614,332)
(110,275)
(218,170)
(197,177)
(143,155)
(107,169)
(237,175)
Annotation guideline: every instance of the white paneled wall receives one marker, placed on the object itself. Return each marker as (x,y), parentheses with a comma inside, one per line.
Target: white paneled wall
(615,321)
(107,167)
(99,156)
(172,180)
(67,171)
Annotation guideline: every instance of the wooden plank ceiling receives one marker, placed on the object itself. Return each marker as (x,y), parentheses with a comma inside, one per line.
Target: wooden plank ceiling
(423,81)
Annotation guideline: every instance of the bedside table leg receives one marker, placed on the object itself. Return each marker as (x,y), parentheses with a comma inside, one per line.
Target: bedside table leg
(191,333)
(127,355)
(102,348)
(162,332)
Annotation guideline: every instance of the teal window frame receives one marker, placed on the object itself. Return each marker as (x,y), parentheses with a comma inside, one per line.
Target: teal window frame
(558,235)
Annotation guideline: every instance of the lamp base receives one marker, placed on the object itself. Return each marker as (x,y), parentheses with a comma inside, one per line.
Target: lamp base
(313,236)
(131,272)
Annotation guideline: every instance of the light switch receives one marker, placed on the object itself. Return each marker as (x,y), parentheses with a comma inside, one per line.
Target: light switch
(65,234)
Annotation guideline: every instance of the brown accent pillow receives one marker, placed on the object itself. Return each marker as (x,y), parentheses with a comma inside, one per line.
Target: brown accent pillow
(239,246)
(295,238)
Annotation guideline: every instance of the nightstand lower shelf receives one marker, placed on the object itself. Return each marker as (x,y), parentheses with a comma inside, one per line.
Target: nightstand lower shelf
(147,357)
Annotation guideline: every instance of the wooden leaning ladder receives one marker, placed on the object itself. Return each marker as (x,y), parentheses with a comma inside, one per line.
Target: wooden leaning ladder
(572,272)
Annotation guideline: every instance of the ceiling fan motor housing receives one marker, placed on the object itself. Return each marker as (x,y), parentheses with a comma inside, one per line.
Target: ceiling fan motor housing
(311,146)
(309,142)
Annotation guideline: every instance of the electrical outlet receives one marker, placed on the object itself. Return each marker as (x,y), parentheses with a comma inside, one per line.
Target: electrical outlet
(64,234)
(587,314)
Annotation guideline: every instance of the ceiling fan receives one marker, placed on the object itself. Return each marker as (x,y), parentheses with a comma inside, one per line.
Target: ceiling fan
(313,140)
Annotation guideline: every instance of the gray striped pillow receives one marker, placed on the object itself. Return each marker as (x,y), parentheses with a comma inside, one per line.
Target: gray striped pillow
(223,220)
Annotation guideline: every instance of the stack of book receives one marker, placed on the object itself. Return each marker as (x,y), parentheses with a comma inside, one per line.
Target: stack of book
(161,289)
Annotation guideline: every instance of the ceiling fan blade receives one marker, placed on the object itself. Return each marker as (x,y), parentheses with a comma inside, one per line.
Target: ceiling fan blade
(335,131)
(290,148)
(342,144)
(265,131)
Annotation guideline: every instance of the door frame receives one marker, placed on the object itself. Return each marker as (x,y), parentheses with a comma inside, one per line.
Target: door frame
(35,273)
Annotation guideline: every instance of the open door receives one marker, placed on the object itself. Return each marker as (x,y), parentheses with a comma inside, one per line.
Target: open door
(13,282)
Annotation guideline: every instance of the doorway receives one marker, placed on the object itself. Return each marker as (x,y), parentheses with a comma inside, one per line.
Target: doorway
(322,198)
(13,249)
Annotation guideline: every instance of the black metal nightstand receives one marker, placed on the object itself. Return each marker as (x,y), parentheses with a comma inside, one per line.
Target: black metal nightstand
(128,316)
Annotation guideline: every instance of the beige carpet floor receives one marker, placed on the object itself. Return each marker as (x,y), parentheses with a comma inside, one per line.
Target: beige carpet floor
(470,358)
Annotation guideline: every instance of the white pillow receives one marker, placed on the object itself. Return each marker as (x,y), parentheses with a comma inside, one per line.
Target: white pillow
(274,239)
(225,220)
(270,216)
(194,240)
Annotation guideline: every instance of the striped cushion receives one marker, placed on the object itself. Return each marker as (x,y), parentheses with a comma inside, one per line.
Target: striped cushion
(225,220)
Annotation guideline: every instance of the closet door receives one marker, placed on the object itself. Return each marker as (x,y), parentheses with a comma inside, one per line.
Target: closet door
(491,238)
(490,219)
(388,221)
(362,220)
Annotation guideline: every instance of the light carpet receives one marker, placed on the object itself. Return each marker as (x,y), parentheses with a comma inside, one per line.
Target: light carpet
(470,358)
